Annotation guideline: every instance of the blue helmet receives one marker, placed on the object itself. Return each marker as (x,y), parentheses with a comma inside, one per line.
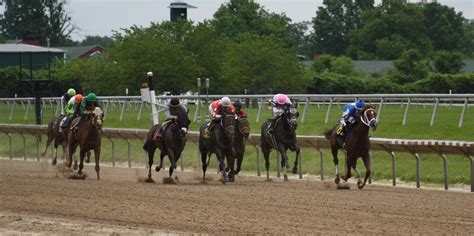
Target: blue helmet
(360,104)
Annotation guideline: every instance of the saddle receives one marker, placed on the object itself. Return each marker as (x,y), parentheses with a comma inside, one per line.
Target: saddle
(159,131)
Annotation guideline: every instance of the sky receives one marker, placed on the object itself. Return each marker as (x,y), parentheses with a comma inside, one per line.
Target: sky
(102,17)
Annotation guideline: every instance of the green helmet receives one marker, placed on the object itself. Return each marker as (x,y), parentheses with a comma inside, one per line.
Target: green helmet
(91,97)
(71,92)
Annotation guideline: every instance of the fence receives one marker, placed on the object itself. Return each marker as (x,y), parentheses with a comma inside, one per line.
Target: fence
(414,147)
(463,100)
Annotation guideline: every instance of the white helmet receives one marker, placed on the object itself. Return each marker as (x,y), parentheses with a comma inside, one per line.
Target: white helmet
(225,101)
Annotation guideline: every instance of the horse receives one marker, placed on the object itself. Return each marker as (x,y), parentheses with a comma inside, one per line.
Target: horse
(56,136)
(220,143)
(88,137)
(357,145)
(171,144)
(242,132)
(282,138)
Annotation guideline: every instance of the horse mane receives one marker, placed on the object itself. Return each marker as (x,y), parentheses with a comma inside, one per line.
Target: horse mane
(328,133)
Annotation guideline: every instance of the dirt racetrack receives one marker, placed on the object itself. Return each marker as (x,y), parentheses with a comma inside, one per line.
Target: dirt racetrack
(36,198)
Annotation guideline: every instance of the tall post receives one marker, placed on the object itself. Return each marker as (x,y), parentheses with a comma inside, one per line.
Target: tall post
(151,85)
(207,90)
(198,107)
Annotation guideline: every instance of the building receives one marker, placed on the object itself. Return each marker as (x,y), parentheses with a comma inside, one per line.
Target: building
(82,51)
(26,55)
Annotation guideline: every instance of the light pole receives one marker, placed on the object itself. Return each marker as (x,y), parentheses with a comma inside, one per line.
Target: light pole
(198,106)
(207,90)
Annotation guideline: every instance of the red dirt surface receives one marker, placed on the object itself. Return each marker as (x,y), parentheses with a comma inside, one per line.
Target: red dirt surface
(36,197)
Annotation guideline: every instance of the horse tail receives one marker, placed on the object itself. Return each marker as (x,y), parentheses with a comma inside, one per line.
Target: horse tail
(328,133)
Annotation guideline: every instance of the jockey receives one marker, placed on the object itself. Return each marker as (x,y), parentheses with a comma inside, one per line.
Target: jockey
(241,113)
(88,104)
(349,111)
(279,103)
(173,109)
(65,99)
(71,110)
(216,108)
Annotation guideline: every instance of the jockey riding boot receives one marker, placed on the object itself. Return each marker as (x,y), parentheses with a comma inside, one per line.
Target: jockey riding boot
(207,131)
(272,122)
(64,125)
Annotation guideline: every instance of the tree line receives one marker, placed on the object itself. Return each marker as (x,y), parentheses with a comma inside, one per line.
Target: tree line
(245,47)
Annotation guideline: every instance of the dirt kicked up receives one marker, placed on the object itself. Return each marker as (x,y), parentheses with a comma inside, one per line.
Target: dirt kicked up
(36,197)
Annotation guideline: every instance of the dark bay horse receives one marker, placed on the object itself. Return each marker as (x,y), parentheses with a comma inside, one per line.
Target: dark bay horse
(283,138)
(242,132)
(59,138)
(220,143)
(171,144)
(88,137)
(357,144)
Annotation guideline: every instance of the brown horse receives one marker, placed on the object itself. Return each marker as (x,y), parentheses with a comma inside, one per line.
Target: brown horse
(171,144)
(357,145)
(88,137)
(57,137)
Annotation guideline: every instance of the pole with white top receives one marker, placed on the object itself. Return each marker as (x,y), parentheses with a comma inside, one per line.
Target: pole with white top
(151,86)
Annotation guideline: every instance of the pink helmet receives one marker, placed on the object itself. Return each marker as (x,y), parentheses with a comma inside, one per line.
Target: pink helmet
(281,99)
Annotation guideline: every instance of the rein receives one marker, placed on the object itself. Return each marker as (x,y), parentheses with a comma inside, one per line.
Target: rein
(365,118)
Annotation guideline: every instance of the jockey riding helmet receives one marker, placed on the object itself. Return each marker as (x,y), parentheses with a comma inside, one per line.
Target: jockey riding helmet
(78,98)
(225,101)
(360,104)
(281,99)
(91,97)
(71,92)
(174,102)
(237,105)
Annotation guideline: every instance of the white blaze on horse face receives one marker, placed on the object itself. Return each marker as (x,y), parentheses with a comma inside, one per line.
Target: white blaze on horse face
(184,129)
(98,115)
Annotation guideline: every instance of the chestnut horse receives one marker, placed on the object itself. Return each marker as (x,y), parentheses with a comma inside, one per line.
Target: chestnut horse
(88,137)
(357,144)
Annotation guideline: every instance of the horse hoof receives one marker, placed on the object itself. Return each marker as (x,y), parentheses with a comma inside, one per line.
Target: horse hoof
(158,169)
(285,178)
(225,179)
(360,185)
(337,180)
(87,160)
(75,167)
(295,170)
(176,180)
(53,162)
(343,185)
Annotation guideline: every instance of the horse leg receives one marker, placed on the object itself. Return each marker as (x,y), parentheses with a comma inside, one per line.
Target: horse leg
(82,154)
(48,142)
(266,155)
(350,161)
(97,157)
(88,159)
(284,164)
(172,158)
(162,155)
(230,166)
(336,163)
(220,157)
(71,149)
(150,154)
(204,164)
(239,158)
(356,170)
(366,159)
(295,165)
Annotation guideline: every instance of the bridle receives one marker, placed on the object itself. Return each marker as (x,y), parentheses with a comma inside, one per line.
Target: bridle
(365,118)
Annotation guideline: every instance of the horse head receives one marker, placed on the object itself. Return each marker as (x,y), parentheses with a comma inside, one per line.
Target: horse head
(369,117)
(228,123)
(183,123)
(291,117)
(97,118)
(244,127)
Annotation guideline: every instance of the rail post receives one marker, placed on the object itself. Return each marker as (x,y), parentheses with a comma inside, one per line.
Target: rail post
(300,161)
(379,112)
(129,153)
(123,109)
(418,159)
(435,107)
(321,163)
(10,151)
(305,109)
(329,110)
(471,159)
(113,149)
(260,106)
(107,102)
(24,146)
(26,110)
(37,147)
(278,164)
(445,162)
(12,110)
(139,115)
(258,161)
(461,119)
(406,112)
(394,175)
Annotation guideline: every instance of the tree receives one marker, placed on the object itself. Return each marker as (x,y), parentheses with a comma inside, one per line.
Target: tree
(38,20)
(25,19)
(443,26)
(301,41)
(60,23)
(334,21)
(103,41)
(448,62)
(389,29)
(246,16)
(410,67)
